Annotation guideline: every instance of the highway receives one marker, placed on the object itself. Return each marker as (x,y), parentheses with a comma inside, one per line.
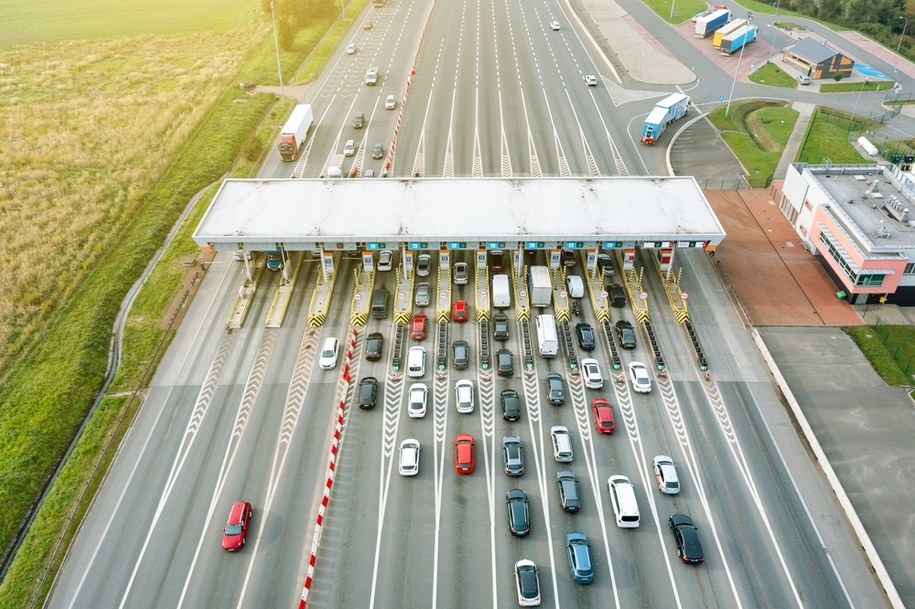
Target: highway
(249,415)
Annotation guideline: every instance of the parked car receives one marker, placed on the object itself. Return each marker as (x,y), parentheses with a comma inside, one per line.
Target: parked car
(519,518)
(555,391)
(578,551)
(591,371)
(639,377)
(569,499)
(460,273)
(418,326)
(368,387)
(236,529)
(511,404)
(585,336)
(408,464)
(459,313)
(463,453)
(665,472)
(603,415)
(804,79)
(626,334)
(464,399)
(527,583)
(460,354)
(416,406)
(689,548)
(373,346)
(504,366)
(513,455)
(500,326)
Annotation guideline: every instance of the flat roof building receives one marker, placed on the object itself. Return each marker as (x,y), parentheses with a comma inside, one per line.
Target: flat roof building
(860,221)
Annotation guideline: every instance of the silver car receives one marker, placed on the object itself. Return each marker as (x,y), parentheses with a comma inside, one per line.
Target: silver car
(463,390)
(423,265)
(639,377)
(460,273)
(665,472)
(385,260)
(423,292)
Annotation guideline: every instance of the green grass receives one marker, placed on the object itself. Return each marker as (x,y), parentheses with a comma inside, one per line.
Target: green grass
(58,20)
(771,75)
(890,350)
(827,138)
(756,131)
(683,10)
(855,87)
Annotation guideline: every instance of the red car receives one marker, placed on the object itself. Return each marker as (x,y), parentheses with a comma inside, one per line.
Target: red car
(460,310)
(463,453)
(603,415)
(418,331)
(233,536)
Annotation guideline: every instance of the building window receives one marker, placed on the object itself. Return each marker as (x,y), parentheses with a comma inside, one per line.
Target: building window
(840,260)
(870,280)
(909,268)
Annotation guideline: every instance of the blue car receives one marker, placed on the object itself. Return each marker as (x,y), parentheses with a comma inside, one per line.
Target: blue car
(579,552)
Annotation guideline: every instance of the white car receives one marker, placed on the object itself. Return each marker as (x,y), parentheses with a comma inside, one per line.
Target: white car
(554,26)
(527,583)
(638,376)
(328,359)
(591,80)
(423,265)
(665,472)
(463,390)
(409,457)
(460,273)
(591,371)
(351,48)
(417,406)
(390,102)
(385,260)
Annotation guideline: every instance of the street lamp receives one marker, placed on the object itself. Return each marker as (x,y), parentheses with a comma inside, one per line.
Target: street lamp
(276,43)
(905,25)
(772,25)
(737,71)
(855,110)
(672,5)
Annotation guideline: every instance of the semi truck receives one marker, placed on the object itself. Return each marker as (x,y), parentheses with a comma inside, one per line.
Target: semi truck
(540,286)
(706,26)
(665,112)
(294,131)
(737,39)
(724,30)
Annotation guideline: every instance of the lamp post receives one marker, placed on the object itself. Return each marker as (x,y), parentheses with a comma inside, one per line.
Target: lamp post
(772,25)
(855,110)
(905,25)
(276,43)
(737,71)
(672,5)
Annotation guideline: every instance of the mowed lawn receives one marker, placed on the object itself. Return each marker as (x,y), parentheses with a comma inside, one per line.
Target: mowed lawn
(28,21)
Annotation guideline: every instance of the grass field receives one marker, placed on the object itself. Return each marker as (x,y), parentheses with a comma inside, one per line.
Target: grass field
(827,138)
(890,350)
(28,23)
(757,132)
(773,76)
(854,87)
(683,10)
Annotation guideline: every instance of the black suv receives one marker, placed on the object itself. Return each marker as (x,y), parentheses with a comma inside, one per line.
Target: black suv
(500,322)
(368,387)
(511,405)
(626,333)
(568,491)
(617,295)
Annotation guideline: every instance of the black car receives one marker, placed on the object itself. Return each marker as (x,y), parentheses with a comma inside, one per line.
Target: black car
(519,520)
(368,387)
(617,295)
(496,261)
(460,354)
(555,392)
(626,333)
(585,336)
(513,455)
(511,405)
(689,549)
(504,365)
(373,346)
(605,266)
(500,323)
(568,258)
(569,500)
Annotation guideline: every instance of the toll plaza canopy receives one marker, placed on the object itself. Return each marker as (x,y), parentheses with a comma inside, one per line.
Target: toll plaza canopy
(458,213)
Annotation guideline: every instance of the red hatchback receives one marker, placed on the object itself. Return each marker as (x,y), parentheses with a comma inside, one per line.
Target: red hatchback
(233,536)
(418,331)
(603,415)
(460,310)
(463,453)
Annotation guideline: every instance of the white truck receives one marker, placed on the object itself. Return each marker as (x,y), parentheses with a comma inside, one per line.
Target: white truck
(540,286)
(547,340)
(294,131)
(501,292)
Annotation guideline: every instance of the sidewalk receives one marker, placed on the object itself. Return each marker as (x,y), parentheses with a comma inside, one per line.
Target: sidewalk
(797,136)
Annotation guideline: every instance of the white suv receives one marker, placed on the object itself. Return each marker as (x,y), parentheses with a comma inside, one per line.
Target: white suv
(562,443)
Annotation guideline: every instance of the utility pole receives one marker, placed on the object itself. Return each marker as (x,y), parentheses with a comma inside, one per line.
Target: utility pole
(737,71)
(276,43)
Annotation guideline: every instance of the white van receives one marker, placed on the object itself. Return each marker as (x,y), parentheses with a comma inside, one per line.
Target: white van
(576,286)
(547,340)
(501,292)
(416,362)
(625,507)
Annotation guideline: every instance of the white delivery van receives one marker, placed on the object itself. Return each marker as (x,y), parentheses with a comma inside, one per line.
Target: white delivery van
(547,340)
(501,292)
(576,286)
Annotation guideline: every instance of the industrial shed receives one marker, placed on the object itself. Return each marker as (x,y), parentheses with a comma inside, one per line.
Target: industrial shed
(817,59)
